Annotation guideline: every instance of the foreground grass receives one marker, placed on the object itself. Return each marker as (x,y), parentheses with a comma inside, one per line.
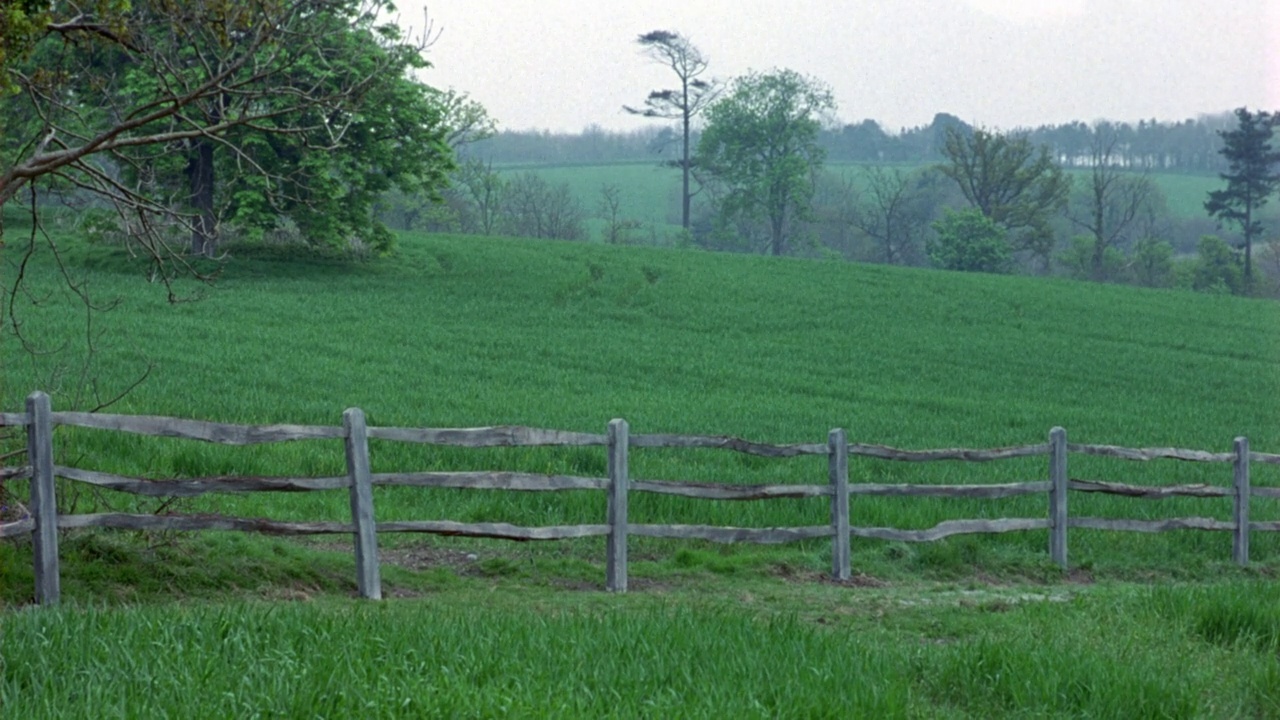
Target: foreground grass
(759,649)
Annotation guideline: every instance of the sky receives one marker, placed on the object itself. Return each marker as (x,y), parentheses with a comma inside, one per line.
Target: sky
(564,65)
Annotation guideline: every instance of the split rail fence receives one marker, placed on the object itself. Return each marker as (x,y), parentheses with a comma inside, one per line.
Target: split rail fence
(43,521)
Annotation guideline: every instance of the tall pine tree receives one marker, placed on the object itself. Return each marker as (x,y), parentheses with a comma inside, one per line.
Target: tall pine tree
(1253,174)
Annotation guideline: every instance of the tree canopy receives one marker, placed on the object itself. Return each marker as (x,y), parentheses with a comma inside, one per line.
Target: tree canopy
(761,144)
(197,117)
(969,241)
(1011,182)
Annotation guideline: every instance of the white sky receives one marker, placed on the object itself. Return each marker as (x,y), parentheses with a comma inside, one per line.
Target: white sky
(566,64)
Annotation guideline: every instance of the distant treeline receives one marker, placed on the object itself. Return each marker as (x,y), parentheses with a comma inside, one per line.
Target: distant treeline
(1191,145)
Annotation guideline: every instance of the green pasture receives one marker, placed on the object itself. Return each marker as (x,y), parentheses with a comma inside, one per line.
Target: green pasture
(651,193)
(648,192)
(467,331)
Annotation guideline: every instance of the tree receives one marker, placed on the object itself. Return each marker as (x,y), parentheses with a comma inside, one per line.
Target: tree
(761,144)
(457,207)
(970,241)
(683,103)
(1251,177)
(185,116)
(617,228)
(1153,262)
(895,211)
(1015,185)
(533,207)
(466,121)
(484,188)
(1111,203)
(1217,268)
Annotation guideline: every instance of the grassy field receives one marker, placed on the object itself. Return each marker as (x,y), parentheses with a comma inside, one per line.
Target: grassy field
(464,331)
(757,650)
(651,194)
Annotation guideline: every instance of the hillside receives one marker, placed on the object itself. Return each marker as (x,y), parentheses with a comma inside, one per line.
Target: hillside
(465,331)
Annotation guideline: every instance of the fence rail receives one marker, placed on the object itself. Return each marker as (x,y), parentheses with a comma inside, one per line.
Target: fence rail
(42,520)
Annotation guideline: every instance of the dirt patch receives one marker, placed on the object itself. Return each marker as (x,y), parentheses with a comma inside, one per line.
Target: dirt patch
(791,574)
(398,592)
(857,581)
(1080,576)
(427,558)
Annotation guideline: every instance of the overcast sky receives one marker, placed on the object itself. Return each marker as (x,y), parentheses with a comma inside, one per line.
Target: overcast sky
(567,64)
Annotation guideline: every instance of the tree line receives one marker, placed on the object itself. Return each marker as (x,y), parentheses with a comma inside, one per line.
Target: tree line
(1192,145)
(983,201)
(195,123)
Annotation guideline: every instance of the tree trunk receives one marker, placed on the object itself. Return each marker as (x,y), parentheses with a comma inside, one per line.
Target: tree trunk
(777,241)
(204,239)
(684,163)
(1099,220)
(1248,248)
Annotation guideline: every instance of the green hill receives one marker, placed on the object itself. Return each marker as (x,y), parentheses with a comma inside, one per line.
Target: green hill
(466,331)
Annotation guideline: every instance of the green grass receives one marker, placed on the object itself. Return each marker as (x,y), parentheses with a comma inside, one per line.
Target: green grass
(463,331)
(754,650)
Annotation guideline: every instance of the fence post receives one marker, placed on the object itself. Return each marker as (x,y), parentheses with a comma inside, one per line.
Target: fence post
(1058,496)
(838,474)
(616,551)
(44,503)
(368,575)
(1240,546)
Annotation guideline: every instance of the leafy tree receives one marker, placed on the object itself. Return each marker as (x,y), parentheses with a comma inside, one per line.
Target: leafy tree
(1153,262)
(183,116)
(1009,181)
(683,103)
(1252,176)
(455,208)
(1082,262)
(970,241)
(761,144)
(1217,268)
(1109,206)
(466,120)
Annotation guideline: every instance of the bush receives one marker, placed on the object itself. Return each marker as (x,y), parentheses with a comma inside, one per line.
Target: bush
(970,241)
(1078,260)
(1153,263)
(1218,269)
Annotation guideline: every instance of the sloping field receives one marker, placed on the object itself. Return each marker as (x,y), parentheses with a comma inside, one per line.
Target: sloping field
(464,331)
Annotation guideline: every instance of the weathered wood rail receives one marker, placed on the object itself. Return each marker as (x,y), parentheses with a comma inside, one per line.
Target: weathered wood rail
(42,521)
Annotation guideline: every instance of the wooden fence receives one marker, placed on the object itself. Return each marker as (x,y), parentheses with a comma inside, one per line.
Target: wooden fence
(43,521)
